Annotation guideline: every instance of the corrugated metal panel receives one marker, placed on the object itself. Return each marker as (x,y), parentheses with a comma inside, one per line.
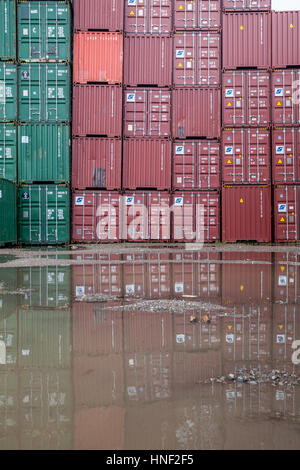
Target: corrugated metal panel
(8,212)
(8,92)
(287,278)
(246,98)
(196,113)
(286,213)
(196,165)
(197,59)
(152,16)
(7,29)
(147,163)
(106,15)
(98,57)
(147,112)
(246,40)
(246,156)
(242,5)
(97,110)
(285,103)
(8,152)
(286,155)
(96,163)
(44,214)
(285,38)
(199,14)
(44,92)
(147,60)
(44,153)
(44,31)
(246,213)
(286,329)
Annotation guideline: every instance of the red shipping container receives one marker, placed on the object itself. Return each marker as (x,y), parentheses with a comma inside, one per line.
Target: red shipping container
(148,60)
(286,213)
(285,101)
(197,58)
(196,216)
(147,112)
(97,110)
(286,155)
(285,39)
(105,15)
(196,164)
(242,5)
(287,278)
(246,40)
(96,216)
(246,213)
(98,57)
(148,16)
(96,163)
(197,14)
(196,112)
(147,164)
(158,275)
(246,156)
(246,98)
(198,335)
(286,330)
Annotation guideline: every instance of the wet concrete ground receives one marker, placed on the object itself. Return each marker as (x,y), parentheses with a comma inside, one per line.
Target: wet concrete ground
(139,347)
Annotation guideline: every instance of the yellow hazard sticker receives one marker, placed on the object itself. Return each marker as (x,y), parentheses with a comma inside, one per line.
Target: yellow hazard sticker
(291,26)
(179,65)
(229,162)
(282,268)
(180,7)
(282,219)
(241,200)
(242,288)
(131,13)
(229,327)
(241,28)
(229,104)
(279,161)
(278,103)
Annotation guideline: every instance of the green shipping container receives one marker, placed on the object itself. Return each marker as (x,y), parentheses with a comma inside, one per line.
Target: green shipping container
(8,212)
(8,152)
(8,30)
(44,153)
(44,31)
(44,93)
(8,92)
(44,214)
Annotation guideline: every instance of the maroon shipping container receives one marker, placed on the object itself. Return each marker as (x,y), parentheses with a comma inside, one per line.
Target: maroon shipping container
(197,14)
(286,330)
(246,213)
(196,164)
(246,98)
(147,163)
(242,5)
(285,100)
(287,278)
(96,216)
(96,163)
(198,335)
(148,60)
(197,59)
(286,155)
(148,16)
(286,213)
(285,39)
(246,156)
(92,15)
(97,110)
(196,113)
(147,112)
(196,216)
(246,40)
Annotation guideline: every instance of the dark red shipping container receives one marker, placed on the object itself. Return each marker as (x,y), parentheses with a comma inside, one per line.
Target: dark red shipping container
(246,40)
(196,112)
(246,98)
(246,213)
(104,15)
(287,278)
(147,112)
(285,100)
(286,155)
(286,324)
(148,16)
(197,59)
(197,14)
(96,163)
(148,60)
(242,5)
(147,163)
(246,156)
(196,164)
(285,39)
(97,110)
(286,213)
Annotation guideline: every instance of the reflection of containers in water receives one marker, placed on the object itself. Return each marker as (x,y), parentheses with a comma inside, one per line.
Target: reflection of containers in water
(198,335)
(286,330)
(286,155)
(199,14)
(159,275)
(192,367)
(287,278)
(8,152)
(8,91)
(134,275)
(285,105)
(8,331)
(8,212)
(153,16)
(285,39)
(106,15)
(242,5)
(286,213)
(8,29)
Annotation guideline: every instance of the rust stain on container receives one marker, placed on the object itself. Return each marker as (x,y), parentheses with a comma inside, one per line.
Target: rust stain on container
(242,5)
(198,14)
(98,57)
(285,38)
(286,155)
(285,101)
(148,16)
(286,213)
(106,15)
(96,163)
(246,213)
(97,110)
(246,40)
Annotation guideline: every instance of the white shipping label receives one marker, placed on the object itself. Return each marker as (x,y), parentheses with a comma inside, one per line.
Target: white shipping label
(179,149)
(179,53)
(229,93)
(25,92)
(25,139)
(282,207)
(25,31)
(279,149)
(278,91)
(131,97)
(180,339)
(79,291)
(79,201)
